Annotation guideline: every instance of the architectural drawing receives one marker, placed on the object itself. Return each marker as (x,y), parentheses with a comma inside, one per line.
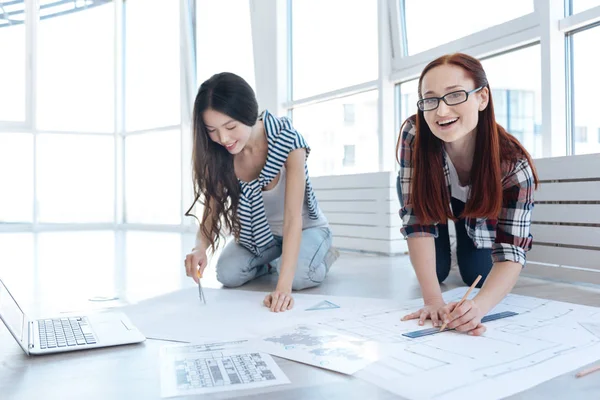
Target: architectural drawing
(216,367)
(322,348)
(546,339)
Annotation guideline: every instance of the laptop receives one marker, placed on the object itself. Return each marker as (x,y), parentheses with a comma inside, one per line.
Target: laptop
(65,333)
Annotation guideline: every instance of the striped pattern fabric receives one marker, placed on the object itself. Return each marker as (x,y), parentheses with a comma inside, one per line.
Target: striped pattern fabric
(282,138)
(508,236)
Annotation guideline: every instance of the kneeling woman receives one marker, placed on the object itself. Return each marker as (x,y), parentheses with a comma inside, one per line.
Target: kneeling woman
(251,174)
(458,163)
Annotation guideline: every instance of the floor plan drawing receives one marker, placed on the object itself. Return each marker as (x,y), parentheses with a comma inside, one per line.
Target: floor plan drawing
(547,338)
(216,367)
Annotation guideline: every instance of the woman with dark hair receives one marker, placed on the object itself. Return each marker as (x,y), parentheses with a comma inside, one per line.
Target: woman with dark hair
(458,163)
(251,176)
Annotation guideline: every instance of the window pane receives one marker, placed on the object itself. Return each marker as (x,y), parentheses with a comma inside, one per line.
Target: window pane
(582,5)
(515,79)
(233,51)
(76,266)
(408,99)
(75,178)
(455,19)
(342,134)
(585,87)
(152,64)
(12,67)
(152,273)
(16,177)
(76,71)
(330,51)
(153,178)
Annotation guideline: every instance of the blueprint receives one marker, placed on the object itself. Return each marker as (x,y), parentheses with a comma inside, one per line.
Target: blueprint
(322,348)
(547,338)
(216,367)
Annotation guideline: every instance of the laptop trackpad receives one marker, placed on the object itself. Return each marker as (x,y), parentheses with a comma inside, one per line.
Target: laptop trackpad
(108,327)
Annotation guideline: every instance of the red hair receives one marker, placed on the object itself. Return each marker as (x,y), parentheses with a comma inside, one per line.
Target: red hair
(494,147)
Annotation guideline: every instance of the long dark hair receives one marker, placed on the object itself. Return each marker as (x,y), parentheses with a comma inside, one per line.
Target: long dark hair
(494,147)
(215,183)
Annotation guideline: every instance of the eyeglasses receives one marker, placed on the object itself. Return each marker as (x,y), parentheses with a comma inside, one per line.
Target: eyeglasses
(451,99)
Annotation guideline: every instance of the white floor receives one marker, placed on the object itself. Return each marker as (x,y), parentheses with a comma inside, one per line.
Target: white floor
(67,271)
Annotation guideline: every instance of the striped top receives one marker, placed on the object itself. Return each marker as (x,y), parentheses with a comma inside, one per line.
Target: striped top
(282,138)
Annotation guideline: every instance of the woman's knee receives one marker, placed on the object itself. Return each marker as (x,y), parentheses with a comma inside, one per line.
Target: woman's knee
(234,265)
(309,275)
(230,274)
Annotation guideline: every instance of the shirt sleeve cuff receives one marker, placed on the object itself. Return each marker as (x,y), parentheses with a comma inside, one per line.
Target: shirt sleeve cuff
(508,252)
(411,231)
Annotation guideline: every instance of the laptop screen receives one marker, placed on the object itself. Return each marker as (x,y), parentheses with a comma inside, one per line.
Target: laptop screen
(11,313)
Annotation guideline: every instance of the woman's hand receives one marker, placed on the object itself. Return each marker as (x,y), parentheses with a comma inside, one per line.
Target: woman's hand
(279,300)
(436,311)
(465,318)
(195,263)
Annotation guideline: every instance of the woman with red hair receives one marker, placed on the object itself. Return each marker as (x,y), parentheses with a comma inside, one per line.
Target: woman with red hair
(458,163)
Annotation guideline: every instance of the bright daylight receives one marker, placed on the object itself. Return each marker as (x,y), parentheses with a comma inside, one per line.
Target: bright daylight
(299,199)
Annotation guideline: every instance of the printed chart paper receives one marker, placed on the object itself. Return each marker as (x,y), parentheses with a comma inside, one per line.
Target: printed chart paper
(216,367)
(322,348)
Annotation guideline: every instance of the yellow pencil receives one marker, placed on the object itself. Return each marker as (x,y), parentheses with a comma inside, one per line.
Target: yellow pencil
(464,298)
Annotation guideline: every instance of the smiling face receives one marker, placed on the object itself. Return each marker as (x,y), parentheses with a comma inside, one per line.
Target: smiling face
(226,131)
(452,123)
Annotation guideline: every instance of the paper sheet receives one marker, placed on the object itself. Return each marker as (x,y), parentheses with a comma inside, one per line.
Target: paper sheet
(322,348)
(216,367)
(180,316)
(544,341)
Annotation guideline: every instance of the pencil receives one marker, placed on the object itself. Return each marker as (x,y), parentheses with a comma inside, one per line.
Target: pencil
(464,298)
(588,371)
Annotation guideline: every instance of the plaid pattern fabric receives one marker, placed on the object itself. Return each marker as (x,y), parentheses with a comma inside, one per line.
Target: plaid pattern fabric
(508,236)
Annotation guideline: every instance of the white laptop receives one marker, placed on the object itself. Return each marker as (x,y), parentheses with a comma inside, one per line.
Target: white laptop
(65,333)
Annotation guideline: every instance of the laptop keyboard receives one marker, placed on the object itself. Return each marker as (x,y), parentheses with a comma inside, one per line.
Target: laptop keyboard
(65,332)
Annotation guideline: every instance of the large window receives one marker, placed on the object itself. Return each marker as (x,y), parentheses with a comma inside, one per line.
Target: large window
(586,85)
(16,177)
(342,134)
(220,48)
(75,178)
(12,66)
(153,178)
(76,71)
(435,22)
(334,45)
(152,67)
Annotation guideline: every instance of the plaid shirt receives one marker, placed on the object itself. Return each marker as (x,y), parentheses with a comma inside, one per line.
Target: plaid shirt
(508,236)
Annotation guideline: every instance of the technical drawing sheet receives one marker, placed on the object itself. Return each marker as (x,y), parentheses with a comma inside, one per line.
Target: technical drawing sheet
(322,348)
(547,339)
(215,367)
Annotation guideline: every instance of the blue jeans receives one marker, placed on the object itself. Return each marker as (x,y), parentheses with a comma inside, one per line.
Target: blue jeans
(237,265)
(471,260)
